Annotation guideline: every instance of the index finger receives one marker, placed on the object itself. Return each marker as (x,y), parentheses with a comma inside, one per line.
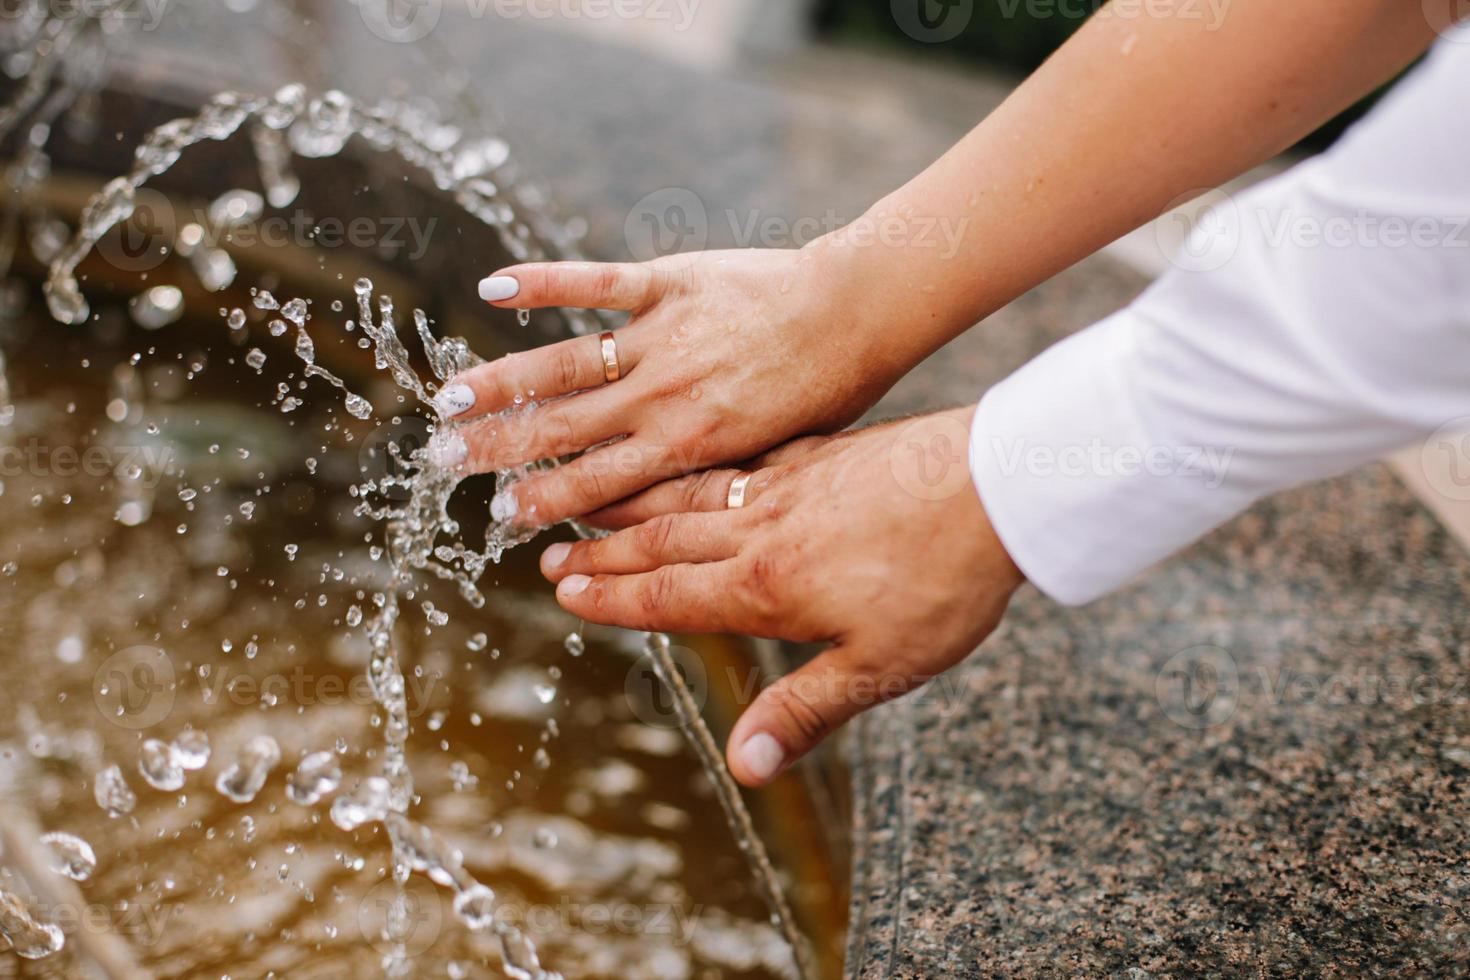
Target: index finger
(631,286)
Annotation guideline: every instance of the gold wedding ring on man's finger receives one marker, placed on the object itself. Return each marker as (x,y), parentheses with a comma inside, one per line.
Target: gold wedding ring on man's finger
(735,499)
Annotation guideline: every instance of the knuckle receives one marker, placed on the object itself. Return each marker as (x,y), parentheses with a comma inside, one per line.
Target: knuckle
(589,487)
(564,433)
(705,487)
(557,280)
(564,369)
(760,589)
(654,538)
(658,592)
(801,715)
(605,281)
(495,380)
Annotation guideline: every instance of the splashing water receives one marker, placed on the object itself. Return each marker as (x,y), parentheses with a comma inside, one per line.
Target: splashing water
(29,938)
(113,793)
(70,855)
(243,779)
(420,537)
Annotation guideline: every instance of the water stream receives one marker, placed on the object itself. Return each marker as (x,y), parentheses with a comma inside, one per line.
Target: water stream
(411,503)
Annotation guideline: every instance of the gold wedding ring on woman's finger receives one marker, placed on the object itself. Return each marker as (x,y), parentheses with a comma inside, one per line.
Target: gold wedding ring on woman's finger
(611,369)
(735,499)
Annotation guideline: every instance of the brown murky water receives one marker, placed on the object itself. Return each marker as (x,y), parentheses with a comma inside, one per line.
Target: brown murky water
(175,551)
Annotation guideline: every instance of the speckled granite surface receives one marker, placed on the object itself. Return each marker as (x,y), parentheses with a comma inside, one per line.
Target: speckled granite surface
(1253,763)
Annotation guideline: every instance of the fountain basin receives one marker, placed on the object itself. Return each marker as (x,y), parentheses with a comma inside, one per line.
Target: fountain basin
(215,592)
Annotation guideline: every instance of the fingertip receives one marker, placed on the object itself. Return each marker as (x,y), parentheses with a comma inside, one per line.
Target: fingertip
(505,506)
(756,760)
(553,558)
(571,587)
(499,288)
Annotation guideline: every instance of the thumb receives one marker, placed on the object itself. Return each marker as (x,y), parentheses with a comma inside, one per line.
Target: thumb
(794,715)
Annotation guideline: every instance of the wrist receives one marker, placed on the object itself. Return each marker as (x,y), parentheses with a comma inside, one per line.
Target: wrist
(902,266)
(854,296)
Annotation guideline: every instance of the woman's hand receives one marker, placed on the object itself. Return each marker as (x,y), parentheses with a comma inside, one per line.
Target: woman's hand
(873,541)
(727,355)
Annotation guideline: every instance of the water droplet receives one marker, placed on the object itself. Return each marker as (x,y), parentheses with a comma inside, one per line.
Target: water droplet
(475,906)
(160,766)
(70,855)
(243,780)
(191,748)
(112,792)
(316,776)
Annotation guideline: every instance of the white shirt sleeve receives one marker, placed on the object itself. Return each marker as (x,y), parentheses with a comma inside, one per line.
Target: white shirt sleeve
(1336,329)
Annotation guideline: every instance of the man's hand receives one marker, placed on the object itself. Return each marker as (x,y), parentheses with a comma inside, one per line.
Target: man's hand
(873,541)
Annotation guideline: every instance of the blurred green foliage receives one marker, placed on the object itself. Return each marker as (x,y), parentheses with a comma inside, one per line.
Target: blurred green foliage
(1000,33)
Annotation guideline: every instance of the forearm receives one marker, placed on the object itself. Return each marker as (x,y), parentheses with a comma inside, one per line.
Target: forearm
(1133,112)
(1335,333)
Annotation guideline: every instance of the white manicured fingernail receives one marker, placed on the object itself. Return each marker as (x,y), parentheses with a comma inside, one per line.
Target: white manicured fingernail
(555,555)
(761,753)
(493,289)
(447,450)
(573,585)
(454,400)
(503,506)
